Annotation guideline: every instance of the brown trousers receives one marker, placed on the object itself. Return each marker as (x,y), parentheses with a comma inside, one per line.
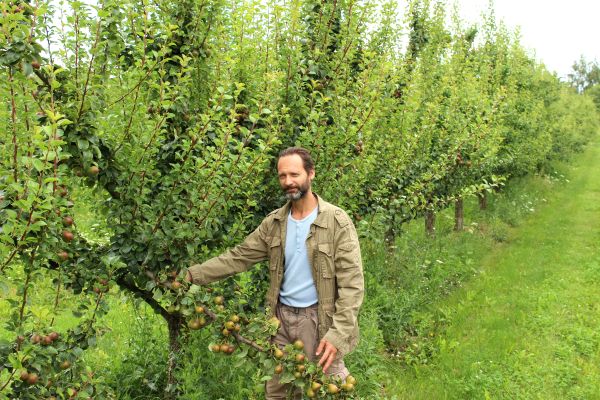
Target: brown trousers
(299,323)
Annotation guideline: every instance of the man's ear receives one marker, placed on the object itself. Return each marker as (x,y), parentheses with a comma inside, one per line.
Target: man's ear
(311,174)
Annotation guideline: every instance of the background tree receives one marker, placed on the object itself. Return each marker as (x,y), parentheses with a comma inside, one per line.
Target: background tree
(585,74)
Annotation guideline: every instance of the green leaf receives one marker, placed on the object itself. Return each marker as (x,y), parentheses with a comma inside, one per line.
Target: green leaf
(83,144)
(27,69)
(286,377)
(190,248)
(63,122)
(37,164)
(4,288)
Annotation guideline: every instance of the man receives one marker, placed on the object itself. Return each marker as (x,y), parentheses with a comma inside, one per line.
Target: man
(315,268)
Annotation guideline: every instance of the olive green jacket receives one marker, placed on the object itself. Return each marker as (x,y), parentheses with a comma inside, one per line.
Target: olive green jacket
(334,253)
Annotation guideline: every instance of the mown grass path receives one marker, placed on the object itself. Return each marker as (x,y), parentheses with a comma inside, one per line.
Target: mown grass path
(529,326)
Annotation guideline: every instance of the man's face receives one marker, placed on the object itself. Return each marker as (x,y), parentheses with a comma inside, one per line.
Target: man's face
(293,178)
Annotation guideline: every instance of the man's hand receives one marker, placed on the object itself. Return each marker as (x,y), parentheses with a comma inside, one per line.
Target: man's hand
(329,351)
(188,276)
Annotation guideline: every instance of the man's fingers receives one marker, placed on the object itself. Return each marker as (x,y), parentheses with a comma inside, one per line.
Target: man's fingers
(327,359)
(328,355)
(326,348)
(320,348)
(329,352)
(323,360)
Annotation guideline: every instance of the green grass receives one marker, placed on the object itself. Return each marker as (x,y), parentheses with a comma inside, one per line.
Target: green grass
(529,326)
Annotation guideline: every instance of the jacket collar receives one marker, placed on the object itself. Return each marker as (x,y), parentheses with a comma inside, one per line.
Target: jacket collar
(321,219)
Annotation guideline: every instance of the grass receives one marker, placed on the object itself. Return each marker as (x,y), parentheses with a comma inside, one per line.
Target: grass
(527,328)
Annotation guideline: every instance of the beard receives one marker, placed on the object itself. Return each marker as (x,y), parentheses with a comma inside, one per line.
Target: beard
(300,192)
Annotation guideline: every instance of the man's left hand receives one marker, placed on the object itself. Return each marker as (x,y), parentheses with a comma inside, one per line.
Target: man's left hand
(329,351)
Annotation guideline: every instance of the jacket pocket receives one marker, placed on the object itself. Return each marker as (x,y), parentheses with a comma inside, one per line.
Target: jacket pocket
(274,253)
(325,258)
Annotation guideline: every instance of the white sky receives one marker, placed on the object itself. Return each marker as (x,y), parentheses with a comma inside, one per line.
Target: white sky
(557,32)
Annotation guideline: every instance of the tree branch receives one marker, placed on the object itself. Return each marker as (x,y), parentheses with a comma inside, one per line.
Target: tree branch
(248,342)
(144,295)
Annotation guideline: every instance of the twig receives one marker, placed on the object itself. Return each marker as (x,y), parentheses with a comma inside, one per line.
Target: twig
(137,85)
(14,371)
(13,116)
(89,71)
(26,286)
(56,298)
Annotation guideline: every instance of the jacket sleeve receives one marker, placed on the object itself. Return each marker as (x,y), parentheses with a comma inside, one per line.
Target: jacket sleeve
(240,258)
(343,333)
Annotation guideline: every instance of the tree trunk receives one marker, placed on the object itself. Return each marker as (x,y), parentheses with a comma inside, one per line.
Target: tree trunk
(174,324)
(459,214)
(482,200)
(430,223)
(390,233)
(390,238)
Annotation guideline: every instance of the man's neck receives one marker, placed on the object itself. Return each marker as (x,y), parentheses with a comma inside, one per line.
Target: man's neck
(304,206)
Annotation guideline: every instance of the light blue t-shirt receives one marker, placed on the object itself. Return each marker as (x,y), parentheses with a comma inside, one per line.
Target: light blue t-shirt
(298,288)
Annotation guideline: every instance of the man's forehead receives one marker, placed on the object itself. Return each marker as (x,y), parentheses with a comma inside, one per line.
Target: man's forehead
(292,161)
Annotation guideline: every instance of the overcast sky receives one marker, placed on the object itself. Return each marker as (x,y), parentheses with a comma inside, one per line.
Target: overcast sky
(558,31)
